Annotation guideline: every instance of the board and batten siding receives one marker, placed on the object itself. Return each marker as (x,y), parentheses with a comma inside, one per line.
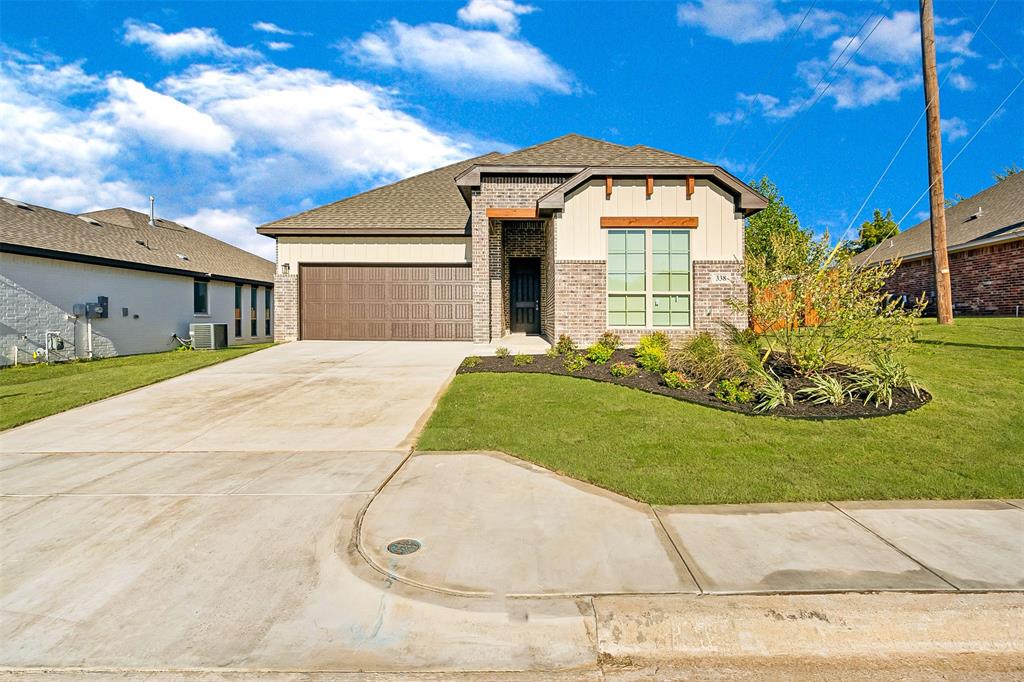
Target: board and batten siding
(296,250)
(718,236)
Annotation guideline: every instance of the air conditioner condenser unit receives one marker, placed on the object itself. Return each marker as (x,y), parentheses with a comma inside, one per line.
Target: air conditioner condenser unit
(208,335)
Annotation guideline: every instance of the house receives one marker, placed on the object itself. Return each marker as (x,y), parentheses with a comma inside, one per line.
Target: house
(985,237)
(573,236)
(112,282)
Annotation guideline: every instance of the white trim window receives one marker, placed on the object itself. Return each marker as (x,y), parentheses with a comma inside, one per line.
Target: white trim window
(649,278)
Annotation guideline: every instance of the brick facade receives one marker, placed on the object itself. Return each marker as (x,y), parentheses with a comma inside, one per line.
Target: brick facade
(523,239)
(986,281)
(489,301)
(286,307)
(581,303)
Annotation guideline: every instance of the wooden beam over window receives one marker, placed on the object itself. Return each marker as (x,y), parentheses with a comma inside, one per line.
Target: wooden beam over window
(650,185)
(607,187)
(649,221)
(689,186)
(512,213)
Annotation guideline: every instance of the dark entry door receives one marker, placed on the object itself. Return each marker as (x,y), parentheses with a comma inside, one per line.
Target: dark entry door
(524,294)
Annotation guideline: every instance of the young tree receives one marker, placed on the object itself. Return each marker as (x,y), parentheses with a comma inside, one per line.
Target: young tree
(1012,169)
(776,218)
(876,230)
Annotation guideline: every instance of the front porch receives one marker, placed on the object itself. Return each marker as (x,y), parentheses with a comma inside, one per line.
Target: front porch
(522,283)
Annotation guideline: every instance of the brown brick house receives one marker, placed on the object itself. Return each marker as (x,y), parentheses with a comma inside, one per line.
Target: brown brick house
(985,234)
(572,236)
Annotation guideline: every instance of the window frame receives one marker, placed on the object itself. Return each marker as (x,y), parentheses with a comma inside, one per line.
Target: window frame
(254,306)
(206,297)
(267,305)
(649,294)
(238,311)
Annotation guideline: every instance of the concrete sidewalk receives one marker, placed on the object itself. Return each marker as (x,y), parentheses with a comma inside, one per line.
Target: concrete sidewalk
(491,524)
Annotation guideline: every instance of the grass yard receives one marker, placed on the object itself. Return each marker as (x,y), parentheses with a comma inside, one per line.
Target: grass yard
(967,443)
(30,392)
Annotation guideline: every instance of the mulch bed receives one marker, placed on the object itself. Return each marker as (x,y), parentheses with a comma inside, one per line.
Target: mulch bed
(903,399)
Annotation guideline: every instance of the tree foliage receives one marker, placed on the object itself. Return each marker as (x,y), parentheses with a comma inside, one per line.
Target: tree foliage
(1008,171)
(776,218)
(876,230)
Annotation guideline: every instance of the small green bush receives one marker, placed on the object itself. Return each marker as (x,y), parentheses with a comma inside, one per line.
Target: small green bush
(707,360)
(733,391)
(825,389)
(624,369)
(522,359)
(772,393)
(472,361)
(551,352)
(565,345)
(657,340)
(574,362)
(886,374)
(599,353)
(653,359)
(502,352)
(610,340)
(676,380)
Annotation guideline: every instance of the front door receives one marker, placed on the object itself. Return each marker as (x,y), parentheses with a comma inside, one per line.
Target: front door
(524,295)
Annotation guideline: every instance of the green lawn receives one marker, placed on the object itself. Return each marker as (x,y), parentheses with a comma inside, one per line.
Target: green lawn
(967,443)
(30,392)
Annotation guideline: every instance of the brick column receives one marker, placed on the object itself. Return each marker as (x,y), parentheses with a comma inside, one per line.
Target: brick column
(286,308)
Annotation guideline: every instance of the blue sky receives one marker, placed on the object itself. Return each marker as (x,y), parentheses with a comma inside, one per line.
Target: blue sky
(234,113)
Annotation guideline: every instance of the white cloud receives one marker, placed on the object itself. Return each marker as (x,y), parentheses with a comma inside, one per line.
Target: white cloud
(895,39)
(457,56)
(770,106)
(997,65)
(278,45)
(171,123)
(501,14)
(859,85)
(742,21)
(953,128)
(184,43)
(961,82)
(232,226)
(270,27)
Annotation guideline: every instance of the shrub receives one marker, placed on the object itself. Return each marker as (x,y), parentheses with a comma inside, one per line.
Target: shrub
(653,340)
(551,352)
(565,345)
(574,362)
(825,389)
(707,360)
(502,352)
(676,380)
(472,361)
(624,369)
(599,353)
(522,359)
(886,374)
(733,391)
(610,340)
(818,308)
(772,393)
(653,359)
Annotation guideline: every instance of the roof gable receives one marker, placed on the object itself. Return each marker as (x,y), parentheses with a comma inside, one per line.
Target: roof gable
(642,155)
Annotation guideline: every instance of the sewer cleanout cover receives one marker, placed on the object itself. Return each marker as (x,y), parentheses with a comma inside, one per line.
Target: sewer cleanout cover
(404,546)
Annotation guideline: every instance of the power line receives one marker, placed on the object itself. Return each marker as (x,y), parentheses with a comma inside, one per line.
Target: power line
(789,128)
(773,70)
(909,134)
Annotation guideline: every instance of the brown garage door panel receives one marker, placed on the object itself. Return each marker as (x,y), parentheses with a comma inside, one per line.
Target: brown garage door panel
(386,302)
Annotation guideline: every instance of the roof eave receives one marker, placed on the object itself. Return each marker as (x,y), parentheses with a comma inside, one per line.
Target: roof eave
(300,231)
(749,200)
(966,246)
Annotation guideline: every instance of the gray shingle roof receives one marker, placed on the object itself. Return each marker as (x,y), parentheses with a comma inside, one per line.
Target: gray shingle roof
(429,201)
(432,201)
(1001,216)
(117,238)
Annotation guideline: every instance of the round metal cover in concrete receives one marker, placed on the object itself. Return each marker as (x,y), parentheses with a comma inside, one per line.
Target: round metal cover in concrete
(404,546)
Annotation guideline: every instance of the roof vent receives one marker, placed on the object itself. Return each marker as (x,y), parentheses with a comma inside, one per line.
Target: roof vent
(977,214)
(18,204)
(91,221)
(181,256)
(152,213)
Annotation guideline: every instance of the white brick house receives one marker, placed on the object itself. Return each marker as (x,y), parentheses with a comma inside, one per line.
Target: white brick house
(572,236)
(156,280)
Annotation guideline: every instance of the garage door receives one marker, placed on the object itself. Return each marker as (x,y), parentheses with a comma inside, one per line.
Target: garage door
(386,302)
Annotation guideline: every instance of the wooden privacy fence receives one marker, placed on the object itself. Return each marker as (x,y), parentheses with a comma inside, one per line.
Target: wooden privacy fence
(808,317)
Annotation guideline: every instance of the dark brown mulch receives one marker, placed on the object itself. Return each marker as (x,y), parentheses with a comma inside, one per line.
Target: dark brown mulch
(903,399)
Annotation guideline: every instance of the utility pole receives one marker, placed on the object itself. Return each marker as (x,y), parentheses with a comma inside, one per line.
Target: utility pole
(940,255)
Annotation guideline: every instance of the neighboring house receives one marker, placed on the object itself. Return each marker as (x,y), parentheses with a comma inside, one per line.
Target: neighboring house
(573,236)
(985,237)
(156,279)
